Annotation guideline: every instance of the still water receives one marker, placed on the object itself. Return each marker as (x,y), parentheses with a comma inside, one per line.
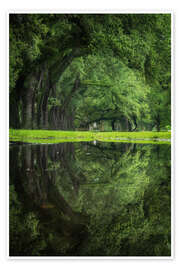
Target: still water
(90,199)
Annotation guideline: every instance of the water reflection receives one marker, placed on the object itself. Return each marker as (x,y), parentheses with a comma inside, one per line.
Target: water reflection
(86,199)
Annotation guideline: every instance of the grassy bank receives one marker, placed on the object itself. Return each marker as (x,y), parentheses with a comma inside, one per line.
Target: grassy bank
(53,136)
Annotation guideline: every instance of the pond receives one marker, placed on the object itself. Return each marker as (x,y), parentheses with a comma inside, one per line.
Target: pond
(90,199)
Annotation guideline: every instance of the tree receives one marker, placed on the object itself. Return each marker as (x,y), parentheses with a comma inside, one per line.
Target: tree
(46,47)
(116,93)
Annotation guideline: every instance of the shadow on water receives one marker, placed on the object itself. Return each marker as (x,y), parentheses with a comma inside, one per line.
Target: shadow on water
(86,199)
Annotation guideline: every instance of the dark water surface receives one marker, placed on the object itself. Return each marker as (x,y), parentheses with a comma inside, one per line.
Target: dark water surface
(90,199)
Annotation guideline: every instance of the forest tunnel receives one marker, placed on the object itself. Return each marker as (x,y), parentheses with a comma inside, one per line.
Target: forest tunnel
(68,71)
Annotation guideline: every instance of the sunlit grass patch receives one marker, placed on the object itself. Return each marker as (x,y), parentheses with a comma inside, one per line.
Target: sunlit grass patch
(54,136)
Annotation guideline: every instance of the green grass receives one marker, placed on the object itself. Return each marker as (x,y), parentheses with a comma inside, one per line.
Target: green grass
(53,136)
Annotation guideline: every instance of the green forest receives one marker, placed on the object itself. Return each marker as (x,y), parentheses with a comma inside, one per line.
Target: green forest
(90,134)
(106,72)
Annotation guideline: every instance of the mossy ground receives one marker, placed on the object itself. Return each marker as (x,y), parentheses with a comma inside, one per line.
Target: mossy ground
(53,136)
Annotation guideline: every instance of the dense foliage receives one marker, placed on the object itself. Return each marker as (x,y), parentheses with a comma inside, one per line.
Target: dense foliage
(84,71)
(108,199)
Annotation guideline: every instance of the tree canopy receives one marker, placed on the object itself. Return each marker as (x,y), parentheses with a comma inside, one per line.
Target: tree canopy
(69,71)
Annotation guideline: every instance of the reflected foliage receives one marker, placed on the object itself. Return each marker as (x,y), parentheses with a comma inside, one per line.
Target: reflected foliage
(90,199)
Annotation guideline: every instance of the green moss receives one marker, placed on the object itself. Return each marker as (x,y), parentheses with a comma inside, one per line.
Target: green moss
(53,136)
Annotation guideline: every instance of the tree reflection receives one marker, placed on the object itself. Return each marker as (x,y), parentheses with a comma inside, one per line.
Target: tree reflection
(108,199)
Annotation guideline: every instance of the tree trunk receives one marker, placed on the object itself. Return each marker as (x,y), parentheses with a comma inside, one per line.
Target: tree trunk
(128,125)
(28,105)
(113,124)
(135,123)
(14,120)
(45,103)
(158,126)
(14,101)
(63,117)
(158,122)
